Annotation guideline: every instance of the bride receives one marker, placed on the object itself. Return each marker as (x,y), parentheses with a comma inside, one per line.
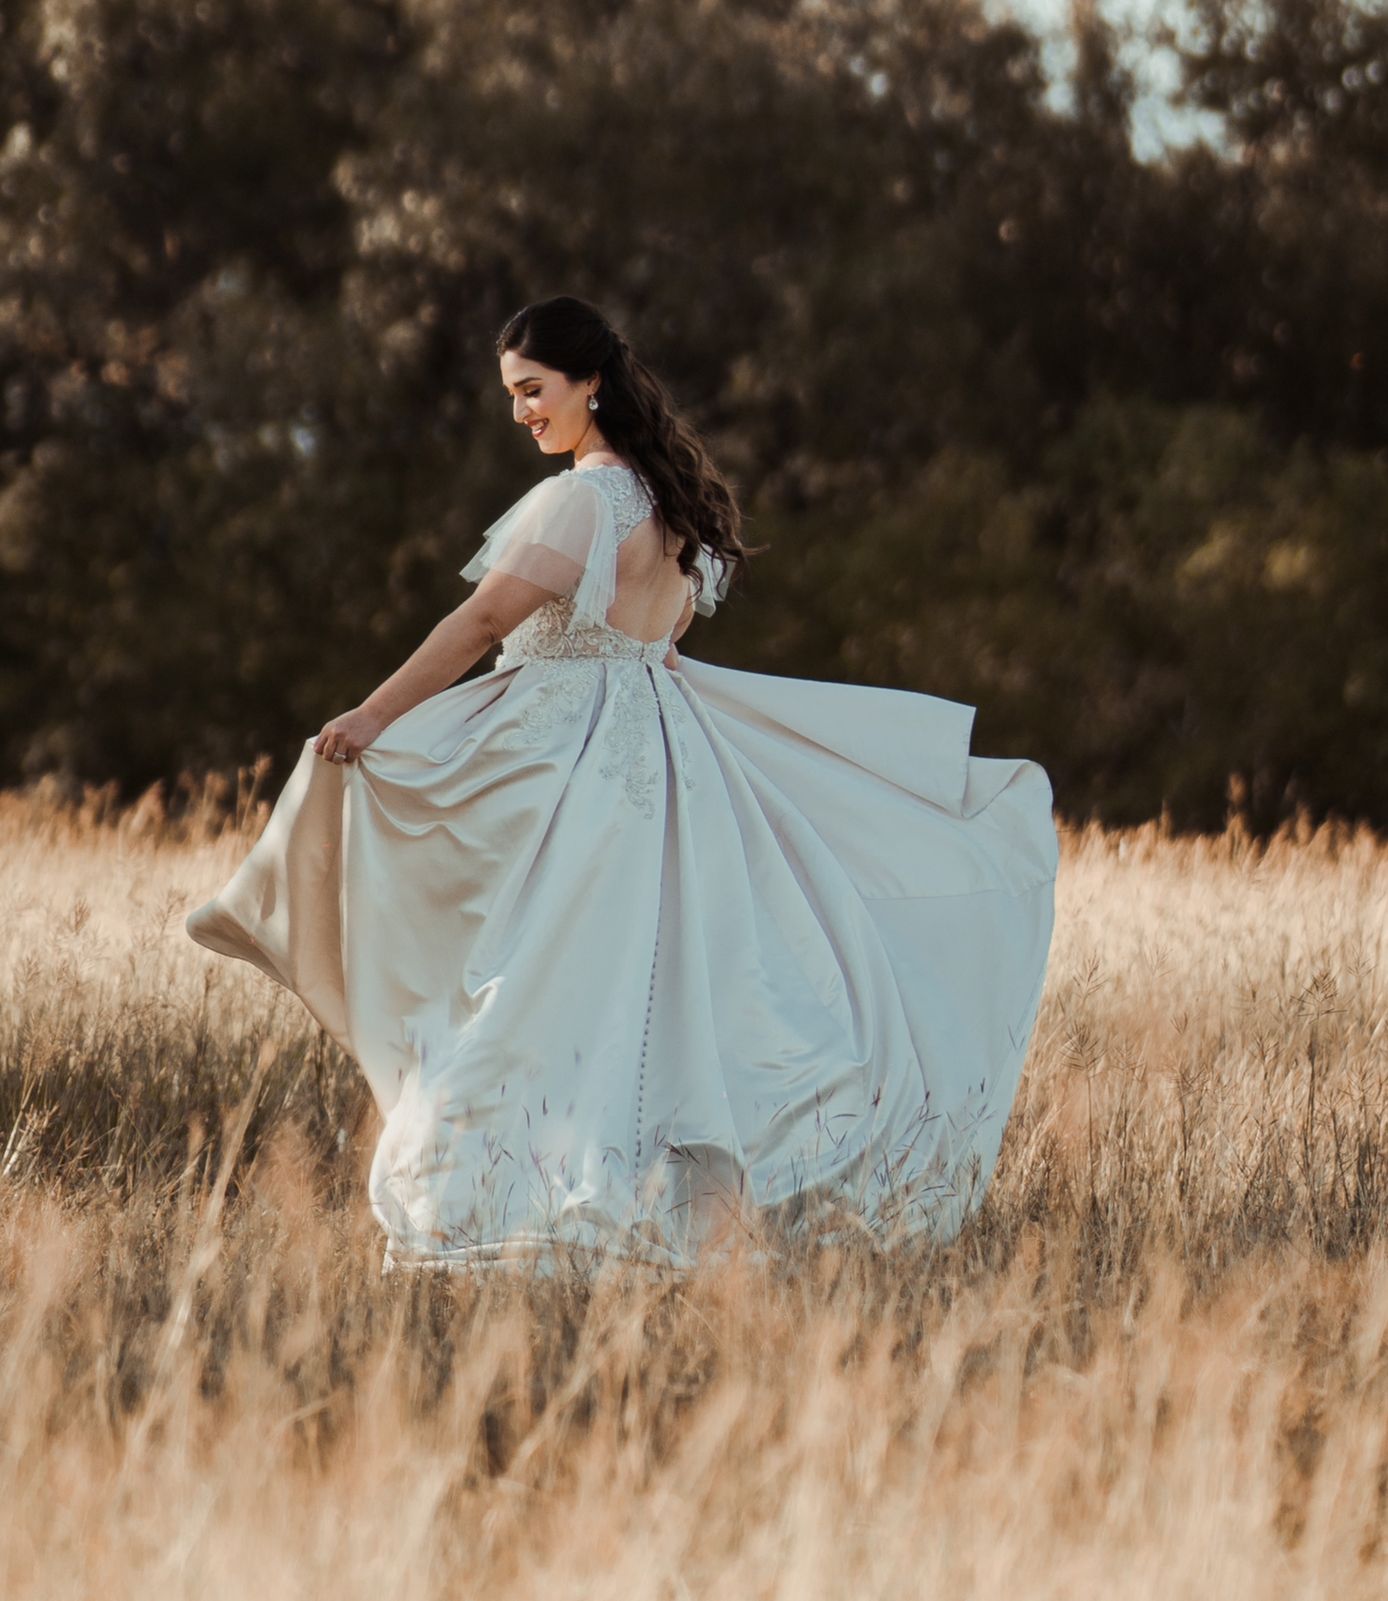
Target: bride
(637,953)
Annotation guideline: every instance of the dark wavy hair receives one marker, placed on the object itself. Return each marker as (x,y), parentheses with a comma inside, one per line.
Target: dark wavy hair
(640,421)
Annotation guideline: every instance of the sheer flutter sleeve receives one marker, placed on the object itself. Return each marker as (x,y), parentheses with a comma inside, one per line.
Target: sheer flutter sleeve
(562,536)
(715,573)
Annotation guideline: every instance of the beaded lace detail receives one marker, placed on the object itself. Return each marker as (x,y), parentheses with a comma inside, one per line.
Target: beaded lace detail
(630,753)
(557,698)
(546,634)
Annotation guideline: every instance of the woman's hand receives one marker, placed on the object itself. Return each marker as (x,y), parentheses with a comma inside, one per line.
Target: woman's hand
(672,659)
(346,737)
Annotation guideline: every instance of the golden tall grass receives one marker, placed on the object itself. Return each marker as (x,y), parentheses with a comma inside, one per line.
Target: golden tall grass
(1156,1364)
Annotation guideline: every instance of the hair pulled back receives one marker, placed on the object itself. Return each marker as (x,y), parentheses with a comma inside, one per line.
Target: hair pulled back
(640,422)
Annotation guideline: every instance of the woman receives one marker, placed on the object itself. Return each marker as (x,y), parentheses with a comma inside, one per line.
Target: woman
(637,953)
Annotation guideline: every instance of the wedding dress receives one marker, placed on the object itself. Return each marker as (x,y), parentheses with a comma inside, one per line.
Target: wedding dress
(627,951)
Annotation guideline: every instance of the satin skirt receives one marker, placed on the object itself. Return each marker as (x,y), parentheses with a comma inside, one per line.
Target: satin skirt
(633,958)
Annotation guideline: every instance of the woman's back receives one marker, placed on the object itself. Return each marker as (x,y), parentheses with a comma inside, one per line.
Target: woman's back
(652,593)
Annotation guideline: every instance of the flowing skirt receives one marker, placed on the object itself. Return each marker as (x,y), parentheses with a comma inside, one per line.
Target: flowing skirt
(631,957)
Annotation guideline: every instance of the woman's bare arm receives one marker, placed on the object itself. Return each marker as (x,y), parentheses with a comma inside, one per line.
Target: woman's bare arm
(455,643)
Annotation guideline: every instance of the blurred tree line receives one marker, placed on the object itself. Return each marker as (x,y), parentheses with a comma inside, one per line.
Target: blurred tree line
(1094,444)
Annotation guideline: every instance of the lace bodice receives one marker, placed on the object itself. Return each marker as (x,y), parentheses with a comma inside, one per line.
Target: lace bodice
(547,634)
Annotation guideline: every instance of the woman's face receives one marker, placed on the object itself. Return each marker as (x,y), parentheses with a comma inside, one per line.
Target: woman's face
(548,403)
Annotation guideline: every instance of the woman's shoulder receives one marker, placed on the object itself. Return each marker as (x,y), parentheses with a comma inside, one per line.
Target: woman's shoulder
(556,494)
(607,473)
(571,491)
(603,475)
(607,481)
(552,499)
(621,486)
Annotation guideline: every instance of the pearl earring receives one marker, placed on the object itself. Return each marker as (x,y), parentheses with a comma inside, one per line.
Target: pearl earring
(592,402)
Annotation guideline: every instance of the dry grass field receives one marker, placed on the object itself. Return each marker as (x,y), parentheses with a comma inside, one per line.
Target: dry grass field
(1155,1365)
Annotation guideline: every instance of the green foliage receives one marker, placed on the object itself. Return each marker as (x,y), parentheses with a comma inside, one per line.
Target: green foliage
(1091,443)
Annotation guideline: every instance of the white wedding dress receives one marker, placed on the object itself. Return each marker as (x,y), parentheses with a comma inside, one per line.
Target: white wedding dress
(633,955)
